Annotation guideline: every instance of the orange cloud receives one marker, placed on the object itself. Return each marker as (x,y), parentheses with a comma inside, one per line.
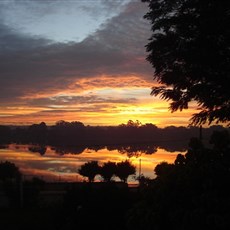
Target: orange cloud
(104,100)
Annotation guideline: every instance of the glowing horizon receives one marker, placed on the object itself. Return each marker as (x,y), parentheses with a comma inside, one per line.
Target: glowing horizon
(99,78)
(54,167)
(95,105)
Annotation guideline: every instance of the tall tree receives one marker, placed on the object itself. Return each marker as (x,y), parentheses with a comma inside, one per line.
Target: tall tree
(190,52)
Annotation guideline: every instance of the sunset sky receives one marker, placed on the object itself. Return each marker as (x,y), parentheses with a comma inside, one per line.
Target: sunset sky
(78,60)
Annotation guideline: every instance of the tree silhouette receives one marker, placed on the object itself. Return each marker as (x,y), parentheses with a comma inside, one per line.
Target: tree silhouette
(108,170)
(124,169)
(189,51)
(192,193)
(10,180)
(38,133)
(90,170)
(9,171)
(163,168)
(220,139)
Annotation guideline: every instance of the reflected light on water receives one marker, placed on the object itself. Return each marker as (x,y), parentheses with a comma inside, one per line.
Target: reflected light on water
(53,166)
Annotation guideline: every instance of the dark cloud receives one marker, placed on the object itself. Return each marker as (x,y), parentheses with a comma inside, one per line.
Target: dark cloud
(30,65)
(12,42)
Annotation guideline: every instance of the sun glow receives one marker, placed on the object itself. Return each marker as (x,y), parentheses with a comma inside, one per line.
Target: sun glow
(103,100)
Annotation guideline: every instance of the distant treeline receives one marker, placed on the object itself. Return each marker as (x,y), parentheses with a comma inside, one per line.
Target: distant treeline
(75,133)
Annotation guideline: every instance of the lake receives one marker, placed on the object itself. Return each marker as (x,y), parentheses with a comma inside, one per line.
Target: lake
(62,163)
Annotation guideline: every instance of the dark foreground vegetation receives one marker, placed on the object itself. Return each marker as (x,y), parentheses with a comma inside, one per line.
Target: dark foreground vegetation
(191,193)
(69,206)
(189,50)
(36,204)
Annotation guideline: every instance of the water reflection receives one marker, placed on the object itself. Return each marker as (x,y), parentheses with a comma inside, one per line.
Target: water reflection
(38,149)
(61,163)
(130,150)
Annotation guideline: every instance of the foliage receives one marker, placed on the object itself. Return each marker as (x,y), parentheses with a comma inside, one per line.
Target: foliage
(89,170)
(10,180)
(37,133)
(74,137)
(220,139)
(124,169)
(192,193)
(9,171)
(163,168)
(132,123)
(190,52)
(108,170)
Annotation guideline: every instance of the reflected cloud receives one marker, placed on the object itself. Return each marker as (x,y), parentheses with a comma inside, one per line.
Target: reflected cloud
(54,166)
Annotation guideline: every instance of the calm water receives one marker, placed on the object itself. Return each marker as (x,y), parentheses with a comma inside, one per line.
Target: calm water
(62,164)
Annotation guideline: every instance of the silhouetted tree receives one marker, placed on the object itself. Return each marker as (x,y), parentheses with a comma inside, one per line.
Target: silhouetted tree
(132,123)
(192,193)
(124,169)
(195,143)
(163,168)
(90,170)
(108,170)
(180,159)
(74,137)
(67,133)
(10,181)
(9,171)
(220,139)
(190,52)
(37,133)
(144,181)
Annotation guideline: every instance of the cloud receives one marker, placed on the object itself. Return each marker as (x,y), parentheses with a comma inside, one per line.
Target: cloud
(30,65)
(93,81)
(59,20)
(64,101)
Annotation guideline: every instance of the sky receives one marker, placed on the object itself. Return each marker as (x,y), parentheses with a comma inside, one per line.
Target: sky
(78,60)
